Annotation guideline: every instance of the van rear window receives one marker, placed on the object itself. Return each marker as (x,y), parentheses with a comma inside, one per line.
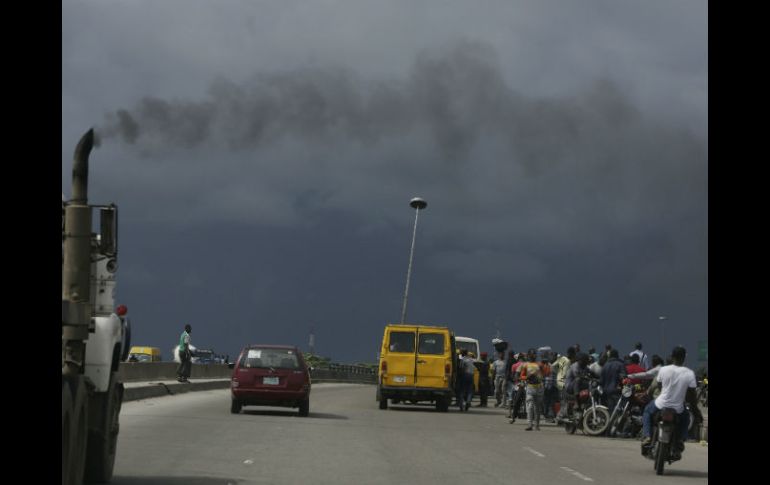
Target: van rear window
(431,343)
(401,342)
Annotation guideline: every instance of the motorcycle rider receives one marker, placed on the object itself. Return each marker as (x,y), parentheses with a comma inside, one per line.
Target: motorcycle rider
(678,385)
(613,372)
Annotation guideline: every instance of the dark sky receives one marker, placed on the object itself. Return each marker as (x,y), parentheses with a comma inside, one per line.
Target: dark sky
(263,155)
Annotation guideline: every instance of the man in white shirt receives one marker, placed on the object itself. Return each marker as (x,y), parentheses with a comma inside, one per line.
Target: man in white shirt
(678,385)
(644,361)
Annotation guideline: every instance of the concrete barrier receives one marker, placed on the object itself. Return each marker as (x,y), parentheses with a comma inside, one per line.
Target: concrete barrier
(154,371)
(159,371)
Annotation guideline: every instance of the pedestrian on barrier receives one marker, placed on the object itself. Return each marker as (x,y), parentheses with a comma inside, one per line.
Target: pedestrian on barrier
(185,355)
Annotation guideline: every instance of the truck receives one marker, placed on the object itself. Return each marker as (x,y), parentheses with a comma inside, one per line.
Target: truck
(95,334)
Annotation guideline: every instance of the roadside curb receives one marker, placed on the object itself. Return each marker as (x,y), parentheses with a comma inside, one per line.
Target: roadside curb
(158,389)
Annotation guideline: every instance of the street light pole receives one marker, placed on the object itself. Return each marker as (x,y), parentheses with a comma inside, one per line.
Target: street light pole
(417,203)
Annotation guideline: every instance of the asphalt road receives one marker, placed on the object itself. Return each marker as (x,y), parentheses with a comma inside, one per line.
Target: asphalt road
(192,439)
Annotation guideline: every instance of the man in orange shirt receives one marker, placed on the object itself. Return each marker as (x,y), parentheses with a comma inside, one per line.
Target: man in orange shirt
(531,372)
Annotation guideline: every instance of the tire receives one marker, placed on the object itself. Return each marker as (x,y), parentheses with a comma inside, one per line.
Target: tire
(78,429)
(596,425)
(661,452)
(383,403)
(103,437)
(442,404)
(66,429)
(304,407)
(235,406)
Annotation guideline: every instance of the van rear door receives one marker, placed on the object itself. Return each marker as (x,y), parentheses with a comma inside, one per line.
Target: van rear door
(399,348)
(433,353)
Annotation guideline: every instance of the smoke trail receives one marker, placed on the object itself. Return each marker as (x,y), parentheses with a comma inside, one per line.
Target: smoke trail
(455,95)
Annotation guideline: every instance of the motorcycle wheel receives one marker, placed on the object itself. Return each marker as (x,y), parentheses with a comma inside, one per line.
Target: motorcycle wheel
(596,425)
(660,457)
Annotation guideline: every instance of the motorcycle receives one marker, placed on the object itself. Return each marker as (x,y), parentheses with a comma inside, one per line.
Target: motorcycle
(626,418)
(584,411)
(666,446)
(703,392)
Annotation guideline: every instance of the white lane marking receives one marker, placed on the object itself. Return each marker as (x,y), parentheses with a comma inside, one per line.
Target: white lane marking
(534,452)
(577,474)
(248,462)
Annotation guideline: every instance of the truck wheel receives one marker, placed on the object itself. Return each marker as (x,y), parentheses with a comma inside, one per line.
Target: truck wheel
(235,406)
(78,428)
(66,427)
(304,407)
(103,435)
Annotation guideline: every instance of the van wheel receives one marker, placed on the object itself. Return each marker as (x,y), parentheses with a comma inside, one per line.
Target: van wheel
(304,407)
(383,403)
(442,404)
(235,406)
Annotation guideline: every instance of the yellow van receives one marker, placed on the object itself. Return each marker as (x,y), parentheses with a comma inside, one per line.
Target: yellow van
(144,354)
(417,363)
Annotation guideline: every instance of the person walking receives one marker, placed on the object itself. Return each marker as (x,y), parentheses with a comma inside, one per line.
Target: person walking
(499,370)
(549,388)
(517,386)
(185,355)
(466,389)
(532,376)
(560,367)
(483,367)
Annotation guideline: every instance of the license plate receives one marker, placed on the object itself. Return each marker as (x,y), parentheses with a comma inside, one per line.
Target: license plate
(270,381)
(399,379)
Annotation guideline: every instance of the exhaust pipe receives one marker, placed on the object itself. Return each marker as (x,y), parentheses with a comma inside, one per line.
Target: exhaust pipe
(76,267)
(80,168)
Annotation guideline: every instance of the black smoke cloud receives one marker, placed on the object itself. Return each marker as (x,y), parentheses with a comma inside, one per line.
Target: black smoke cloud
(457,96)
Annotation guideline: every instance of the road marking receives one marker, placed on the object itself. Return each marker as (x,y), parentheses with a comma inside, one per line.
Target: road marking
(577,474)
(248,462)
(534,452)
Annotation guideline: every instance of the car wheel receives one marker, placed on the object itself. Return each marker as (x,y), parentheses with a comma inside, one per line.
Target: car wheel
(235,406)
(304,407)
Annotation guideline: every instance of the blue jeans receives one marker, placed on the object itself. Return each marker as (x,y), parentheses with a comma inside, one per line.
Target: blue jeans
(651,408)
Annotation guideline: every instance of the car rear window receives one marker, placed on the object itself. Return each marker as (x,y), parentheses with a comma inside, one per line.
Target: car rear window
(401,342)
(266,358)
(431,343)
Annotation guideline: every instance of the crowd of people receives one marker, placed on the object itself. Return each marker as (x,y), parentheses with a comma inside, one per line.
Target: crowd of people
(540,378)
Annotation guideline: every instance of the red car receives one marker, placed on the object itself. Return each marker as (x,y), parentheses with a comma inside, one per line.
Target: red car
(270,375)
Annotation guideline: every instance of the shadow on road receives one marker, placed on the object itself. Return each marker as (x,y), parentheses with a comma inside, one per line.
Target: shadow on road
(174,481)
(254,412)
(685,473)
